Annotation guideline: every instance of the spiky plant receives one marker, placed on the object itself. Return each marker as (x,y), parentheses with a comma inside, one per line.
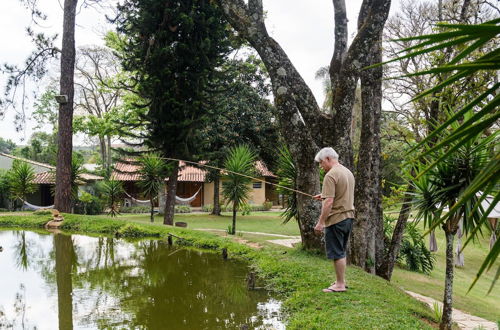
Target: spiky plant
(21,177)
(112,191)
(236,188)
(153,171)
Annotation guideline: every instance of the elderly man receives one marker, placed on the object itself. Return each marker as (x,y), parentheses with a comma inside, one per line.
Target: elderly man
(337,212)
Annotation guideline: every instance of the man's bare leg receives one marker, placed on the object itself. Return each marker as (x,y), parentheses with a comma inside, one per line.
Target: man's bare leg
(339,265)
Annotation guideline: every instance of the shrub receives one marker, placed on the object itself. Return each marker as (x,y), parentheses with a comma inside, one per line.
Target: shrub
(3,210)
(89,204)
(208,208)
(182,209)
(135,209)
(413,254)
(266,206)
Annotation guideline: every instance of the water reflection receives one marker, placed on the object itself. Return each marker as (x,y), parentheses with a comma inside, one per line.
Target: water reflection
(108,283)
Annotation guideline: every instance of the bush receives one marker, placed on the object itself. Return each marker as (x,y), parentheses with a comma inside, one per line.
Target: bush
(208,208)
(135,209)
(180,209)
(92,205)
(266,206)
(3,210)
(413,254)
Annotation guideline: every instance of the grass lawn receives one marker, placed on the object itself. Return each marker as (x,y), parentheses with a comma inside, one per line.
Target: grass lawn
(370,303)
(266,222)
(476,302)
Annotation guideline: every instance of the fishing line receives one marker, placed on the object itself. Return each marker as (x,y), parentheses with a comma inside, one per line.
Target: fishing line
(240,174)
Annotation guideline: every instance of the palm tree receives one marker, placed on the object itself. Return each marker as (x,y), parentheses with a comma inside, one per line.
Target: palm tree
(21,177)
(153,173)
(236,188)
(112,190)
(436,193)
(468,38)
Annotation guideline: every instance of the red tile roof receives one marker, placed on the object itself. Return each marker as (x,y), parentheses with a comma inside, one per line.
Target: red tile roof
(262,168)
(50,178)
(45,178)
(129,172)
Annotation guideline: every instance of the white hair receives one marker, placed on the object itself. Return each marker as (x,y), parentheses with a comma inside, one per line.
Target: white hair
(326,152)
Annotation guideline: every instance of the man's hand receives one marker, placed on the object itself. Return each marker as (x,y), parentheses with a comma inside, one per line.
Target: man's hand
(319,228)
(317,197)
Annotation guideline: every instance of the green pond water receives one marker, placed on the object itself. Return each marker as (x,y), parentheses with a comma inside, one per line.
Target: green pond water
(59,281)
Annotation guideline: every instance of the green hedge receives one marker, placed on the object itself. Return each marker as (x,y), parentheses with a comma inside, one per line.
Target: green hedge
(147,209)
(266,206)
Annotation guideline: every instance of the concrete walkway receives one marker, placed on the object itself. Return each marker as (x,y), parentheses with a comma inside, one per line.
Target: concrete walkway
(463,320)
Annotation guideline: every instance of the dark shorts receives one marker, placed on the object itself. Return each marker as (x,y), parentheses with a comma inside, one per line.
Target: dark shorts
(336,237)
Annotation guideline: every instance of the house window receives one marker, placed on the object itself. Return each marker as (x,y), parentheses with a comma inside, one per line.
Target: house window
(257,185)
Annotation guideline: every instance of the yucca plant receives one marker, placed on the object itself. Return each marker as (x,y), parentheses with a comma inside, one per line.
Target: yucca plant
(413,252)
(470,39)
(287,174)
(21,177)
(112,191)
(153,171)
(235,187)
(439,189)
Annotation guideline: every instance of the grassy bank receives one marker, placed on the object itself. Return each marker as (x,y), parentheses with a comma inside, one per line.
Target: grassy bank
(299,276)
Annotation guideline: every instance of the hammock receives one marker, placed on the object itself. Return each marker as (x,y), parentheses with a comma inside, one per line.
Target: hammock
(29,206)
(139,201)
(187,200)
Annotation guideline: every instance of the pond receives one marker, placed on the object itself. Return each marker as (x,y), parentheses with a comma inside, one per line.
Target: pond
(59,281)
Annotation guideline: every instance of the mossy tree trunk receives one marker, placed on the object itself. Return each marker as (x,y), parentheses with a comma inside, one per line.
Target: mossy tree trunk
(304,126)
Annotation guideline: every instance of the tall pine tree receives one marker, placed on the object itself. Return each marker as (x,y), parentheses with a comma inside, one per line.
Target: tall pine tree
(173,47)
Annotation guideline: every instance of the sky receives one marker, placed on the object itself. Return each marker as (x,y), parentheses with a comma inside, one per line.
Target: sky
(303,28)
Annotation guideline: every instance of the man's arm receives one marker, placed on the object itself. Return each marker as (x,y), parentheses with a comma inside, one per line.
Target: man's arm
(326,207)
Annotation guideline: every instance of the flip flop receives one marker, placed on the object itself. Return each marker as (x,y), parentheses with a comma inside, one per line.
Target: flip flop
(346,286)
(328,290)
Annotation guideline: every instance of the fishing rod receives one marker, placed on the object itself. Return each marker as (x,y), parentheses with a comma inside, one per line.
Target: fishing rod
(240,174)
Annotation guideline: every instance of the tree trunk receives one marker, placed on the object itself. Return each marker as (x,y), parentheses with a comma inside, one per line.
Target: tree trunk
(233,228)
(216,209)
(302,123)
(152,210)
(62,200)
(366,230)
(168,217)
(446,320)
(397,236)
(110,158)
(104,156)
